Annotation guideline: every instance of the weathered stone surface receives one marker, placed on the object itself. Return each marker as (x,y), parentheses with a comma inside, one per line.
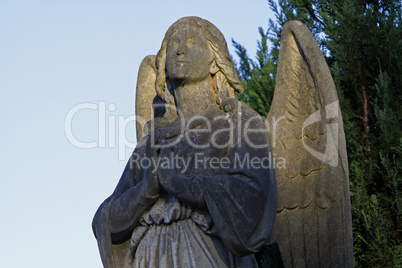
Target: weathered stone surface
(209,204)
(145,94)
(313,226)
(187,198)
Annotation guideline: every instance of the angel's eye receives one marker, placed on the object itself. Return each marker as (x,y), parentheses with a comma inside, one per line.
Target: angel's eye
(190,41)
(173,43)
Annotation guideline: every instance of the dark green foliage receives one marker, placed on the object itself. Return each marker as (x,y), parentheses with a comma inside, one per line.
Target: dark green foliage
(258,77)
(362,43)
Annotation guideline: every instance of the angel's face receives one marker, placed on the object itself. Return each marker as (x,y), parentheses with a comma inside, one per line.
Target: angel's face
(188,56)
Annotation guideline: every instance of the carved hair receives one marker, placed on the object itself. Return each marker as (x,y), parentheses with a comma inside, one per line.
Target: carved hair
(227,80)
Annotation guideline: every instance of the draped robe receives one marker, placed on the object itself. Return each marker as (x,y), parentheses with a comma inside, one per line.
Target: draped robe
(218,202)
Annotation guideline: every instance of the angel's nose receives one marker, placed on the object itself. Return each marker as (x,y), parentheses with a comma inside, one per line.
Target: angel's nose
(182,50)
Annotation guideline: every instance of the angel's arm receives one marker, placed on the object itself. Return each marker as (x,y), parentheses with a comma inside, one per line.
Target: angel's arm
(136,191)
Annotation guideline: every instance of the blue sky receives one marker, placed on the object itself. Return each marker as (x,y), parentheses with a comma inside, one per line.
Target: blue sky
(54,56)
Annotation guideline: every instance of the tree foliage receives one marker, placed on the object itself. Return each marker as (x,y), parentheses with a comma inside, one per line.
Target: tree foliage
(362,43)
(258,76)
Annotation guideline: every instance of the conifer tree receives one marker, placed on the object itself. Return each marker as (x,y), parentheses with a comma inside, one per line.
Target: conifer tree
(258,76)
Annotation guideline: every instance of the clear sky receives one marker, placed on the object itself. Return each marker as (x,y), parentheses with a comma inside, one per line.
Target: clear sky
(55,55)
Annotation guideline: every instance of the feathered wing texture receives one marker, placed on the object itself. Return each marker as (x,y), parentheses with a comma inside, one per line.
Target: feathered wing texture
(313,227)
(145,94)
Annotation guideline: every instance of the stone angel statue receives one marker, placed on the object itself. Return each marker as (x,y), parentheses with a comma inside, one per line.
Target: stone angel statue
(200,188)
(193,193)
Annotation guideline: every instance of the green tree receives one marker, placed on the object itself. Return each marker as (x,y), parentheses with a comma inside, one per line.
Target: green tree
(258,76)
(362,43)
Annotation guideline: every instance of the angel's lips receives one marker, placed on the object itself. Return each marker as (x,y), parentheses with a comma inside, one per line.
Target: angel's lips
(180,63)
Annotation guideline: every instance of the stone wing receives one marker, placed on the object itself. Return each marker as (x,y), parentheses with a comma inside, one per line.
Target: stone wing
(313,226)
(145,94)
